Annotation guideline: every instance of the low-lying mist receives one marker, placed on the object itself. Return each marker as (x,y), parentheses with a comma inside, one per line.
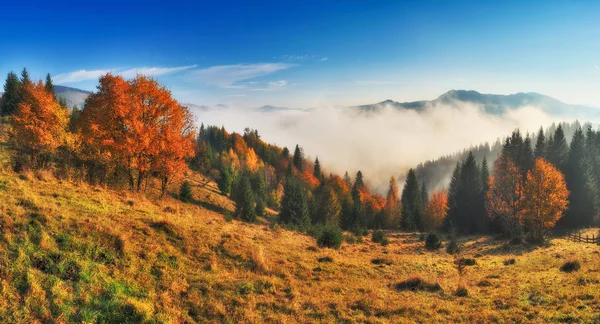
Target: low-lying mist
(382,143)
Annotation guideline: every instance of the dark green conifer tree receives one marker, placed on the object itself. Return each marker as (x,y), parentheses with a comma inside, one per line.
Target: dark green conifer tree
(412,204)
(226,178)
(540,144)
(294,206)
(299,159)
(583,192)
(245,201)
(50,86)
(11,96)
(424,194)
(25,77)
(317,170)
(558,150)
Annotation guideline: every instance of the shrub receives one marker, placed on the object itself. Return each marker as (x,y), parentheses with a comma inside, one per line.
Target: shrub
(453,246)
(433,241)
(331,237)
(325,259)
(381,261)
(509,262)
(570,266)
(468,261)
(260,207)
(417,283)
(379,237)
(185,192)
(461,292)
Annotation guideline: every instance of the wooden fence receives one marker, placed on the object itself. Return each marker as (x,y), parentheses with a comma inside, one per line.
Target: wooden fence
(577,237)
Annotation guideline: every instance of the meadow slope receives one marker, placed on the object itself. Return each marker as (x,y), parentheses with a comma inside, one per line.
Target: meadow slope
(70,252)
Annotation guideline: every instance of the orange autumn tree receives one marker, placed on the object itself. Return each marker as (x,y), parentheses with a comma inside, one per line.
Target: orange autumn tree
(545,198)
(391,209)
(503,200)
(139,126)
(39,127)
(435,211)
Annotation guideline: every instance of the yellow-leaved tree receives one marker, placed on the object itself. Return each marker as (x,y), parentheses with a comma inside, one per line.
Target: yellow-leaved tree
(39,126)
(545,198)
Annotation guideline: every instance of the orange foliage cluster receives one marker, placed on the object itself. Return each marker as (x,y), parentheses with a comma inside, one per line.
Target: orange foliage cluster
(545,197)
(503,201)
(538,202)
(435,210)
(40,124)
(138,125)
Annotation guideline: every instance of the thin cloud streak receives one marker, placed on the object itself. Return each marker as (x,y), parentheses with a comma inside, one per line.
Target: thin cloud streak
(228,76)
(87,75)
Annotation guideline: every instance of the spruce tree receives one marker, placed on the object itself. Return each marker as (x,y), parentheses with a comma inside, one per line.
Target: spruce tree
(299,159)
(470,198)
(226,179)
(330,207)
(294,206)
(357,215)
(453,205)
(347,179)
(412,205)
(527,157)
(25,77)
(245,200)
(540,144)
(317,169)
(485,175)
(11,96)
(583,197)
(558,150)
(424,194)
(185,192)
(50,86)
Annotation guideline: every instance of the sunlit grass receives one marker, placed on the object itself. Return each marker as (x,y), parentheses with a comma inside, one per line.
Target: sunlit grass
(73,252)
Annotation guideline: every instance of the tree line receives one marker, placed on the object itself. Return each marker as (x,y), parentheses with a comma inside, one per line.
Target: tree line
(128,132)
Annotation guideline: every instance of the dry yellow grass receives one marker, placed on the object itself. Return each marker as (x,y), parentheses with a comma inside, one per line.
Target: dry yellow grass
(72,253)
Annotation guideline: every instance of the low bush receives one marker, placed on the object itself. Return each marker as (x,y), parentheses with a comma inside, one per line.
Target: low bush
(331,237)
(509,262)
(378,236)
(570,266)
(185,192)
(416,283)
(461,292)
(381,261)
(433,241)
(325,259)
(468,261)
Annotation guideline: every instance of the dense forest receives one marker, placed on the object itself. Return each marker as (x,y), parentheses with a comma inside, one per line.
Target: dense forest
(133,134)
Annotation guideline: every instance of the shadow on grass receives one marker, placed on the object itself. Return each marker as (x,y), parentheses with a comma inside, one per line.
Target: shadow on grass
(204,204)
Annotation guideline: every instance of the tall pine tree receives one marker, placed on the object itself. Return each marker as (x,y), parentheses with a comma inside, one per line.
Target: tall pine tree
(11,96)
(583,197)
(50,86)
(540,144)
(412,204)
(558,150)
(299,159)
(294,206)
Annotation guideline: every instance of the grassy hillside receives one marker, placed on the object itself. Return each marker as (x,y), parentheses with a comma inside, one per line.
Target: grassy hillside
(70,252)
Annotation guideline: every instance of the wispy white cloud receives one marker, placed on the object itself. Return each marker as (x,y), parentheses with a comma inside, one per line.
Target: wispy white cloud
(272,85)
(375,82)
(86,75)
(229,76)
(301,57)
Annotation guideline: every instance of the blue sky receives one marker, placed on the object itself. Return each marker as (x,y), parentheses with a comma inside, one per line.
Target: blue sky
(311,53)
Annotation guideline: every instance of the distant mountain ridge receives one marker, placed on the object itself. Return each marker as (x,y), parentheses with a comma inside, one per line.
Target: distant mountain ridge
(73,96)
(493,104)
